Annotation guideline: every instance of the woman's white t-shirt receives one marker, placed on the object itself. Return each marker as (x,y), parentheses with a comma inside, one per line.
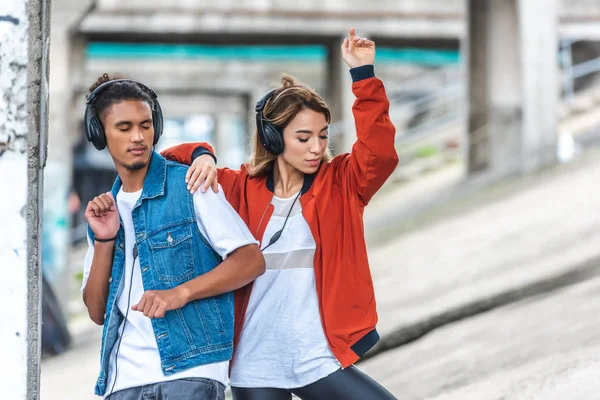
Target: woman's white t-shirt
(283,344)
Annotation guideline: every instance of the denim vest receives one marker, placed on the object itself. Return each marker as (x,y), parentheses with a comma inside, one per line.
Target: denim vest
(172,250)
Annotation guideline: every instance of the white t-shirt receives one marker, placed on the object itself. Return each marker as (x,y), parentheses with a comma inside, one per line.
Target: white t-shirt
(138,359)
(283,344)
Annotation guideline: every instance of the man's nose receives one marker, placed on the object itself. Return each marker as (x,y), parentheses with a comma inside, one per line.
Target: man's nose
(137,135)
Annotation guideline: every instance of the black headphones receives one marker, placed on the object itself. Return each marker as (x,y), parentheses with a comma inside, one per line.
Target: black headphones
(94,131)
(269,135)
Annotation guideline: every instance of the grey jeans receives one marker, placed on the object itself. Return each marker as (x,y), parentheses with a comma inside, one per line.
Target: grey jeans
(180,389)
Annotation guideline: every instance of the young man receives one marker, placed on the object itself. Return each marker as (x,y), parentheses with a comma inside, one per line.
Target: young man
(153,274)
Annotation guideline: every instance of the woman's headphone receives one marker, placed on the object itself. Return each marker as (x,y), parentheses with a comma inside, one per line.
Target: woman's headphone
(94,131)
(269,135)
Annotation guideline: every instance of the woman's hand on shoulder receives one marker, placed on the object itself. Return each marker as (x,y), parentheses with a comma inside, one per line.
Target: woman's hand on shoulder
(202,172)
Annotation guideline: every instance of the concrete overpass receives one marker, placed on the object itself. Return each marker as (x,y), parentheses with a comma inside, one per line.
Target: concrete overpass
(250,19)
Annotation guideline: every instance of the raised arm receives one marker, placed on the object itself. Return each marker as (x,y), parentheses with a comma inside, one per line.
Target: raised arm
(373,157)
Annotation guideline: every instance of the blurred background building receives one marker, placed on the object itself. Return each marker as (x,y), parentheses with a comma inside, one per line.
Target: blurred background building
(484,95)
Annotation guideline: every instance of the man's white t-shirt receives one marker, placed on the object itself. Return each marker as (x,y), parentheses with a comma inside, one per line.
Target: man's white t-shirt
(138,360)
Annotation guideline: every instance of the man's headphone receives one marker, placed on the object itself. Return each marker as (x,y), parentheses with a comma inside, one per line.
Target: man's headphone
(94,131)
(269,135)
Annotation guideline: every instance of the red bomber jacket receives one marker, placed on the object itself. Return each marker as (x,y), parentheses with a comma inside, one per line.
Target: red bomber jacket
(333,201)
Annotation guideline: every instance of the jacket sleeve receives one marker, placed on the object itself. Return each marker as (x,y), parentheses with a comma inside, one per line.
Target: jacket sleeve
(373,158)
(186,153)
(182,153)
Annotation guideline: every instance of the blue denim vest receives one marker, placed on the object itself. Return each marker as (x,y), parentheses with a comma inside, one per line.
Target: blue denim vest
(171,251)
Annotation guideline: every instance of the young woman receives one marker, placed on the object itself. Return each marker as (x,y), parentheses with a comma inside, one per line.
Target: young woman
(302,325)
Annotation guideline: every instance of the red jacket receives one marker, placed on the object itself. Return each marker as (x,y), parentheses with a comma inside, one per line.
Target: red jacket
(333,202)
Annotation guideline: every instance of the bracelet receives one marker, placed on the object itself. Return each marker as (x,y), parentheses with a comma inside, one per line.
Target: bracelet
(112,239)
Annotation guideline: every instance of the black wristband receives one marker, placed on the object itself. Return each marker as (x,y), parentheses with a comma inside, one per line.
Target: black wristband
(112,239)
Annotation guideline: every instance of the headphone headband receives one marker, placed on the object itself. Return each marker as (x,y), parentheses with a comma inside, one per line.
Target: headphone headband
(96,92)
(260,105)
(94,131)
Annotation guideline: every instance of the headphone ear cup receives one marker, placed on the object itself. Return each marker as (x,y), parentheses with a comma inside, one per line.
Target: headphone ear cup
(268,134)
(99,135)
(157,121)
(273,138)
(94,131)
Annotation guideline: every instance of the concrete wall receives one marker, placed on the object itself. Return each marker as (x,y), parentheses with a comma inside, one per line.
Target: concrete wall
(13,180)
(24,30)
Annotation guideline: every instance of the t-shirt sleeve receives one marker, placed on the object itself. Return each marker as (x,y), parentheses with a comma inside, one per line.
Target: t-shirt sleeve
(87,263)
(219,223)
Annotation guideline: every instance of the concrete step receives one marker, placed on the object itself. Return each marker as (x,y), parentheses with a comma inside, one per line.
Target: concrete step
(543,348)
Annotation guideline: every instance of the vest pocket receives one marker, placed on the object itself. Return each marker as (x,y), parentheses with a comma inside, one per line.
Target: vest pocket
(173,254)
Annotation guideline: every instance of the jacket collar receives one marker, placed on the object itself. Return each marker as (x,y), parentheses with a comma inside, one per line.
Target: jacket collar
(308,181)
(154,183)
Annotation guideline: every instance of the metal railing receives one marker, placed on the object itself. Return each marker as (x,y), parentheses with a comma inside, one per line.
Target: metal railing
(570,72)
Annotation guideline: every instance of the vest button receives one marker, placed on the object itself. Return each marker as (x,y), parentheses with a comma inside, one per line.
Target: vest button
(110,280)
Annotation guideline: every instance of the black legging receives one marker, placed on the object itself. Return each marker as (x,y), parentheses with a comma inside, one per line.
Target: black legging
(344,384)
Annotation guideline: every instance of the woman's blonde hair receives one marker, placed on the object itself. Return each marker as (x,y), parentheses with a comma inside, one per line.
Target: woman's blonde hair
(289,99)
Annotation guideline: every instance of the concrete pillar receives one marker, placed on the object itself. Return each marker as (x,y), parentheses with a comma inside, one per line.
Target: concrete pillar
(24,32)
(512,85)
(541,81)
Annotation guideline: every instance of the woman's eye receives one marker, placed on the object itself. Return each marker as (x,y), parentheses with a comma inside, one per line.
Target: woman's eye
(303,140)
(324,137)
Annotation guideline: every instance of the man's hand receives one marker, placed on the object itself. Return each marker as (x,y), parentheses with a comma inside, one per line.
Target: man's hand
(203,169)
(103,217)
(357,51)
(155,303)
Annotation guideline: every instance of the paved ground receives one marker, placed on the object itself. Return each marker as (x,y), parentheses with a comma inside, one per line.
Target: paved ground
(72,375)
(546,347)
